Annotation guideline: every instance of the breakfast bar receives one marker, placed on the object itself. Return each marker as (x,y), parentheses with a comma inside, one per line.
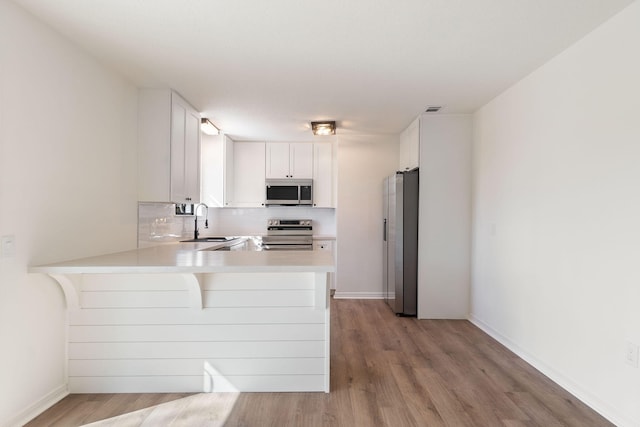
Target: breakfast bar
(185,317)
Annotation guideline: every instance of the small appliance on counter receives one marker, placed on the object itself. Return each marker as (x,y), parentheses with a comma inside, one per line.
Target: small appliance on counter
(184,209)
(288,234)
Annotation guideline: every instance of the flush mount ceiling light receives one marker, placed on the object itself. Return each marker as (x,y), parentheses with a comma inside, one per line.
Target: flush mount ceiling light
(323,128)
(207,127)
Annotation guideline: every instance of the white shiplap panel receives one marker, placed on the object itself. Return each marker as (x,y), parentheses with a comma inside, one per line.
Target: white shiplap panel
(189,316)
(190,367)
(257,332)
(258,281)
(134,299)
(183,384)
(194,333)
(201,350)
(132,282)
(258,298)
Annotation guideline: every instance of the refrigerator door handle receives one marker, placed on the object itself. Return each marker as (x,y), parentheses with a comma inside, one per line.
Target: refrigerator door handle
(384,230)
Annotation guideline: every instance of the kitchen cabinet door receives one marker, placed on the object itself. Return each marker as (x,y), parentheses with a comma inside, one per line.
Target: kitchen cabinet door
(323,175)
(277,160)
(192,157)
(326,245)
(216,177)
(410,146)
(185,152)
(248,174)
(168,147)
(289,160)
(301,160)
(227,170)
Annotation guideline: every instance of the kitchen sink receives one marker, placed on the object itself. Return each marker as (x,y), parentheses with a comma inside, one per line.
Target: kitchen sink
(247,243)
(210,239)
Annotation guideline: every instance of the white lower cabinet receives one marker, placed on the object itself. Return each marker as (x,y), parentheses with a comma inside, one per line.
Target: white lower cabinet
(323,245)
(326,245)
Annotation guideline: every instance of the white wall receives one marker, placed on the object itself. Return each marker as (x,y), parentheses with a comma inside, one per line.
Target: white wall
(363,162)
(444,228)
(557,217)
(67,189)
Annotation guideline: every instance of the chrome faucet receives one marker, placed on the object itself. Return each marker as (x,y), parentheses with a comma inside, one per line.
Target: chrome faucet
(206,219)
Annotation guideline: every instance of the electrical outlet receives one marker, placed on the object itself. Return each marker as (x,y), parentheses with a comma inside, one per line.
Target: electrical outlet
(631,354)
(8,246)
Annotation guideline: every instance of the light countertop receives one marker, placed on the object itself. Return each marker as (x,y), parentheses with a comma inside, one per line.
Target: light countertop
(193,258)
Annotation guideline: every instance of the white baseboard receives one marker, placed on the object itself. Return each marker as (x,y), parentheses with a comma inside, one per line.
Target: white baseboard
(358,295)
(572,387)
(38,407)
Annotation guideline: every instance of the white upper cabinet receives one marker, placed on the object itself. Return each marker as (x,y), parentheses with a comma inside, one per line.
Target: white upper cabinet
(228,171)
(185,152)
(323,182)
(277,160)
(410,146)
(289,160)
(248,174)
(301,158)
(168,148)
(216,179)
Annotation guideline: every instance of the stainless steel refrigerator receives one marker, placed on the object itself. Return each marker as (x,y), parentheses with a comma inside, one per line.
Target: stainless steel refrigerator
(400,242)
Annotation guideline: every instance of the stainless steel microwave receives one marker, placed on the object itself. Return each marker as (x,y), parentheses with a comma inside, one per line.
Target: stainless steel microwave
(289,192)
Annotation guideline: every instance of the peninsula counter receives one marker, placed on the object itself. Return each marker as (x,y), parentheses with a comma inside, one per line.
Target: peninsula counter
(184,318)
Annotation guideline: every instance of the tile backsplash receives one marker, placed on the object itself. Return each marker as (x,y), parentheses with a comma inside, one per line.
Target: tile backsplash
(158,224)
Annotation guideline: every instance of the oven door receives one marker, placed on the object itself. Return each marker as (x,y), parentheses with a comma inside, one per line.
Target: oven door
(287,243)
(287,247)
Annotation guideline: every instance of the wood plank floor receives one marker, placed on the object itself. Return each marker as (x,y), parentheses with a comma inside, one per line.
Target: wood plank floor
(385,371)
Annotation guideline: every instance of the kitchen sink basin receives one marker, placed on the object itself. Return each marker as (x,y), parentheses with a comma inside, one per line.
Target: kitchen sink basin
(210,239)
(246,243)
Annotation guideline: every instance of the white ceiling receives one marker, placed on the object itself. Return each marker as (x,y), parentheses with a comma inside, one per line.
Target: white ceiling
(262,69)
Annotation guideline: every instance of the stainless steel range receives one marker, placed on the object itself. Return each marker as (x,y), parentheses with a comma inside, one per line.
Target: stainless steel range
(288,234)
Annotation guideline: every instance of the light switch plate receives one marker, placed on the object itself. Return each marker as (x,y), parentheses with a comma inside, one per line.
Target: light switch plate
(8,246)
(631,354)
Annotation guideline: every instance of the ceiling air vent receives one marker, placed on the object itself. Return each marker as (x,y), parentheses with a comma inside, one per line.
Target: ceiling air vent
(433,109)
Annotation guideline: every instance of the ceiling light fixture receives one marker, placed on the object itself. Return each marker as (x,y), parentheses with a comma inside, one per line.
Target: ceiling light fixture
(207,127)
(323,128)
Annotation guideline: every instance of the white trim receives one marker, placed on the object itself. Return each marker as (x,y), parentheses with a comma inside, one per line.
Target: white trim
(358,295)
(581,393)
(37,408)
